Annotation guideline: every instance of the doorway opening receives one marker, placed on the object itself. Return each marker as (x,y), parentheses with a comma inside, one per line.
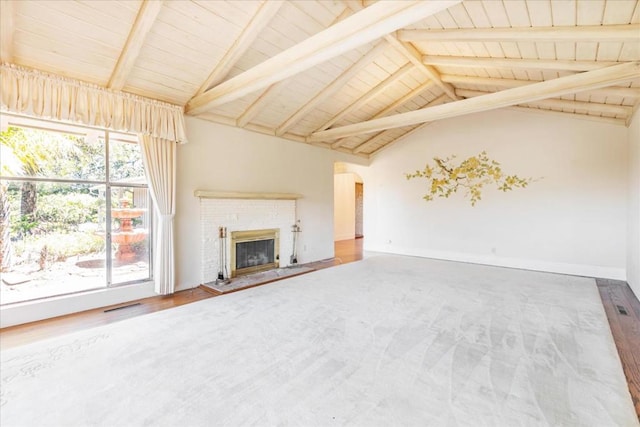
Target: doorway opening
(348,203)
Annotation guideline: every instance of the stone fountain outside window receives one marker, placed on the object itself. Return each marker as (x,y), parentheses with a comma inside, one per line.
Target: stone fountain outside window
(126,235)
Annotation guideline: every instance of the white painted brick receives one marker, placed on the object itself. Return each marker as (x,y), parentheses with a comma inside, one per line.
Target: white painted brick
(241,215)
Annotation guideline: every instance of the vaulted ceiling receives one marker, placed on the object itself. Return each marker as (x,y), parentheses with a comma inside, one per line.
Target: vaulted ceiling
(348,75)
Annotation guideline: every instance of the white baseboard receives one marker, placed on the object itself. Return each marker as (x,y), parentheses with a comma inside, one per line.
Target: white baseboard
(31,311)
(525,264)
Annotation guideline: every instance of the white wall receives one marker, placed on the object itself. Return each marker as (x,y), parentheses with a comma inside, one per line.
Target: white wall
(224,158)
(633,235)
(344,206)
(571,221)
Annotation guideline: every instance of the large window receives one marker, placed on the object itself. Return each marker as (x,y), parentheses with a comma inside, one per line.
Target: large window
(75,212)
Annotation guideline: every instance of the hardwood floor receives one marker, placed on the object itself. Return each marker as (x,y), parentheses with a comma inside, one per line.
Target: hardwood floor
(623,311)
(620,304)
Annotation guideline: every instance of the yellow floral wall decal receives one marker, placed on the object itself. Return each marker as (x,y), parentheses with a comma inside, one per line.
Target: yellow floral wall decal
(444,177)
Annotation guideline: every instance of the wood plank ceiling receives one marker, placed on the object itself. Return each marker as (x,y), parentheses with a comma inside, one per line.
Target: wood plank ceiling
(353,76)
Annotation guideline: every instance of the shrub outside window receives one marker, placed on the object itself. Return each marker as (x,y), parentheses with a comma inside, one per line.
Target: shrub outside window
(75,210)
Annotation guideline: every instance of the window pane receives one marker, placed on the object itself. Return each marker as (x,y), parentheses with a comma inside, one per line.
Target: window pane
(52,239)
(125,161)
(131,222)
(50,154)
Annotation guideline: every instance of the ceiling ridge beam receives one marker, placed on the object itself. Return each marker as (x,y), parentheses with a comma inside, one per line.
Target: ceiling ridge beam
(147,14)
(376,138)
(360,28)
(519,95)
(589,33)
(333,87)
(7,29)
(509,63)
(562,103)
(369,95)
(265,13)
(398,103)
(631,92)
(413,55)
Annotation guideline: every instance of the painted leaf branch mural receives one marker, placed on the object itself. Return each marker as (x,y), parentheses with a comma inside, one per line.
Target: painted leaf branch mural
(445,177)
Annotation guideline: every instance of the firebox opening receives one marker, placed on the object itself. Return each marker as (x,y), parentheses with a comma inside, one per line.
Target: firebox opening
(253,251)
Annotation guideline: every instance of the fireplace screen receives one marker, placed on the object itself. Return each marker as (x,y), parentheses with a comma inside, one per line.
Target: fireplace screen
(253,251)
(251,254)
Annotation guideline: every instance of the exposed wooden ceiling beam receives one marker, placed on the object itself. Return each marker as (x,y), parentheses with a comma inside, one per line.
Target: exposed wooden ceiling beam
(412,54)
(147,15)
(230,121)
(369,95)
(255,108)
(627,122)
(509,63)
(267,10)
(624,92)
(333,87)
(273,90)
(551,103)
(7,27)
(587,33)
(376,139)
(398,103)
(361,28)
(398,139)
(608,120)
(519,95)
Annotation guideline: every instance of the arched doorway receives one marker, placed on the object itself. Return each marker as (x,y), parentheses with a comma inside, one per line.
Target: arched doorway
(348,203)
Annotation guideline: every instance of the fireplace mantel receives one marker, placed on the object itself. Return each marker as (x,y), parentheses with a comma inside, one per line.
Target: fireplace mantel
(209,194)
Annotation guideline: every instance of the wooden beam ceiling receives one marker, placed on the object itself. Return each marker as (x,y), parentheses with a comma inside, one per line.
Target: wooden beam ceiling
(267,10)
(378,138)
(272,91)
(333,87)
(510,63)
(147,15)
(608,120)
(586,33)
(370,95)
(564,104)
(398,103)
(7,17)
(519,95)
(265,98)
(624,92)
(412,54)
(361,28)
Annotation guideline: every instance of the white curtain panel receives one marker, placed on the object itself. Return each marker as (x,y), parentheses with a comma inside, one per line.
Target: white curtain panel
(38,94)
(159,156)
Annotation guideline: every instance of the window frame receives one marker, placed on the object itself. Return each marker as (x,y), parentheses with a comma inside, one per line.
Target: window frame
(13,120)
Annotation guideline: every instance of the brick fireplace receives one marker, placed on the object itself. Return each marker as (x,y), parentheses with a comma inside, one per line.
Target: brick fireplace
(243,214)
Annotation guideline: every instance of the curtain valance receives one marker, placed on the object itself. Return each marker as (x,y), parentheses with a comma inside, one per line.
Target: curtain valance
(49,96)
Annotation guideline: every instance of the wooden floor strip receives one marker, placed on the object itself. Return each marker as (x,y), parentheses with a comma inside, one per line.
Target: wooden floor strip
(623,311)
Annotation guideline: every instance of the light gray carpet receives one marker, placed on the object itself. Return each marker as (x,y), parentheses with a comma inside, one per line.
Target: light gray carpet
(387,341)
